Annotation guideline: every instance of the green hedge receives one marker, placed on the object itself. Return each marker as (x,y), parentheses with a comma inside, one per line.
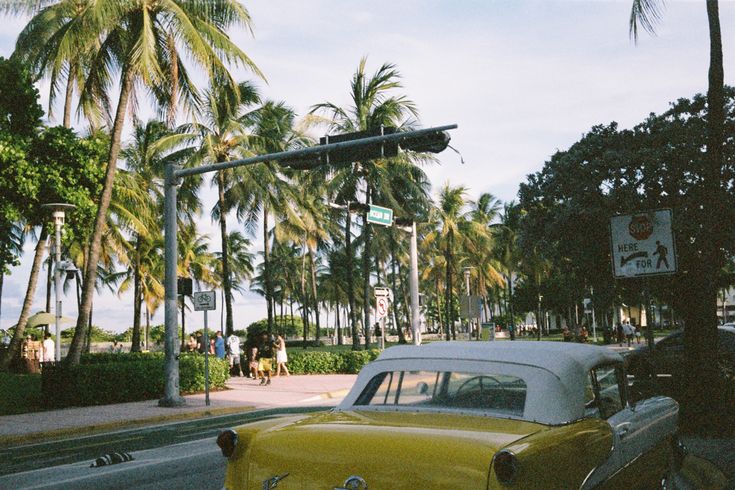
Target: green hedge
(116,378)
(320,362)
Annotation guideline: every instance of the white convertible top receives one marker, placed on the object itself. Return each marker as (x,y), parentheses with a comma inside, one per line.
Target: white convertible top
(556,372)
(557,357)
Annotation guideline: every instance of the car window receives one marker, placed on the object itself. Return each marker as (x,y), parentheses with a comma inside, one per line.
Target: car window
(435,389)
(672,343)
(726,341)
(604,392)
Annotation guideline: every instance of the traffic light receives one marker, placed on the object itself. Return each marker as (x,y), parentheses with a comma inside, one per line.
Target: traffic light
(431,142)
(184,286)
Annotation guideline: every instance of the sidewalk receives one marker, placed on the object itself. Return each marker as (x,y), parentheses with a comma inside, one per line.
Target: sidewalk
(244,395)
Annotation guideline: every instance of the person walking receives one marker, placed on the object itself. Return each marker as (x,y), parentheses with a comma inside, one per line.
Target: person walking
(192,344)
(265,358)
(219,345)
(281,356)
(201,347)
(628,331)
(254,372)
(47,349)
(233,349)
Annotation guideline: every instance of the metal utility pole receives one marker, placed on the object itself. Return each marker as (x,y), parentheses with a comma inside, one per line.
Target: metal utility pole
(414,286)
(424,140)
(58,213)
(413,278)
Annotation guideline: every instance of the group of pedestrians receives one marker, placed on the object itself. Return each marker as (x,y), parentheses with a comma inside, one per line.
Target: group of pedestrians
(260,355)
(626,333)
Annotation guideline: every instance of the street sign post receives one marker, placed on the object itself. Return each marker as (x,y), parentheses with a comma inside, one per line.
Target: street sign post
(205,301)
(380,216)
(643,244)
(381,312)
(469,306)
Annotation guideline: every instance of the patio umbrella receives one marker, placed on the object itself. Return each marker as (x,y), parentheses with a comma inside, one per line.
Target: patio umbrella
(43,318)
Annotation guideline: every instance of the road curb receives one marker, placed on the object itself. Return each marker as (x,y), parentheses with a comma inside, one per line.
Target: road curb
(328,395)
(52,435)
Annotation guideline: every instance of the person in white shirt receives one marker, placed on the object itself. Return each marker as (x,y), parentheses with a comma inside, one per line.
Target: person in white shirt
(48,348)
(628,330)
(233,349)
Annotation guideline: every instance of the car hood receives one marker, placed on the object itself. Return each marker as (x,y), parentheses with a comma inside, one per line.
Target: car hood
(386,449)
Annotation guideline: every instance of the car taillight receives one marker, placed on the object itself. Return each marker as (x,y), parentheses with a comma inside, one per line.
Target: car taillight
(505,465)
(227,441)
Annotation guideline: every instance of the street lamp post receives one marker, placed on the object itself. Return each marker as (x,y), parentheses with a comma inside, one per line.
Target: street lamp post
(58,213)
(413,278)
(467,272)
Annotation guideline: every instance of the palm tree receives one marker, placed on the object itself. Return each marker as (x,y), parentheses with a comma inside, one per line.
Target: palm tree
(372,108)
(221,135)
(263,190)
(240,262)
(700,311)
(455,232)
(148,42)
(51,44)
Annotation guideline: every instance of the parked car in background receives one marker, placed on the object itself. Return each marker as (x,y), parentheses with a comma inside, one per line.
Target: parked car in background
(669,360)
(468,415)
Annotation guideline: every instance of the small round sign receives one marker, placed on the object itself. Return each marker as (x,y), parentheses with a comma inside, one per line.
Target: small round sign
(640,227)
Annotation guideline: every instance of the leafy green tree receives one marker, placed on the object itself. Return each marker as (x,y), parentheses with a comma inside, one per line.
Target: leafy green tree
(373,106)
(147,43)
(711,198)
(69,170)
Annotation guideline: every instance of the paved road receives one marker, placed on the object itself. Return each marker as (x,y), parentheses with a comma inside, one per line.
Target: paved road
(164,455)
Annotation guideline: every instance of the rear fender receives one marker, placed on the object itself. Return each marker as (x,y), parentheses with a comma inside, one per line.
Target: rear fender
(560,456)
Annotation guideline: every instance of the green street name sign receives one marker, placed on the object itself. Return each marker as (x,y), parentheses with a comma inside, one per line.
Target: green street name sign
(380,216)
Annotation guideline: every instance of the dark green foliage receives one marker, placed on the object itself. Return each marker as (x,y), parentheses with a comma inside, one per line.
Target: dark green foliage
(21,393)
(116,378)
(191,372)
(320,362)
(288,327)
(20,113)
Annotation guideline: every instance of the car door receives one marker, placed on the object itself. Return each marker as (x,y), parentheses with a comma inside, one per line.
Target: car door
(641,432)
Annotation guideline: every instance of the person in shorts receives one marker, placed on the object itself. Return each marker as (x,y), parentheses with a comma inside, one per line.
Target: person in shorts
(281,356)
(265,358)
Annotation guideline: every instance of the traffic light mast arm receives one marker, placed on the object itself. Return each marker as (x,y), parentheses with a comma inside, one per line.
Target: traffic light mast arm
(300,159)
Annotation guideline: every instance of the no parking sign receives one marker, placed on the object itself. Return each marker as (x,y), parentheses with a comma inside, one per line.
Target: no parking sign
(381,307)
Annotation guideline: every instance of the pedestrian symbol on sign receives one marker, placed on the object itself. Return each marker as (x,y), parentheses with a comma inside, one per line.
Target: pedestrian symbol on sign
(661,251)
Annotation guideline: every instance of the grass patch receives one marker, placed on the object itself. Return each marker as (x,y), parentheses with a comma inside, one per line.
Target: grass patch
(21,393)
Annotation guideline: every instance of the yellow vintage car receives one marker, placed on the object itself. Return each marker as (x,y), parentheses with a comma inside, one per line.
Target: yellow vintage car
(469,415)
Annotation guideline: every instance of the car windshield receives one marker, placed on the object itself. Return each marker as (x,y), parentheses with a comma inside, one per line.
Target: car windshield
(446,390)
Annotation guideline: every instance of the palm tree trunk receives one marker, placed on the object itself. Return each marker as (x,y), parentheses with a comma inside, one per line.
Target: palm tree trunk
(226,275)
(401,336)
(100,224)
(350,281)
(449,317)
(312,260)
(701,389)
(15,343)
(267,269)
(340,339)
(68,96)
(137,297)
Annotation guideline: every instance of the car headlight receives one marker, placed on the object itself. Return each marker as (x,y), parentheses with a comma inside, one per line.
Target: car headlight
(227,442)
(505,465)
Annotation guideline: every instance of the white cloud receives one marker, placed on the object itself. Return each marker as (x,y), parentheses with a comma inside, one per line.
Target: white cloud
(521,78)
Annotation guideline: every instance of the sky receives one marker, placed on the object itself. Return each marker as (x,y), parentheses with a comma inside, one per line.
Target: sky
(522,79)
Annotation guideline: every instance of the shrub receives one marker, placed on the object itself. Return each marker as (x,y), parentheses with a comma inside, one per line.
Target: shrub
(321,362)
(116,378)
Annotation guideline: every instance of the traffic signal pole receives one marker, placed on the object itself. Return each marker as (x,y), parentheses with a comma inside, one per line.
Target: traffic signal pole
(429,139)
